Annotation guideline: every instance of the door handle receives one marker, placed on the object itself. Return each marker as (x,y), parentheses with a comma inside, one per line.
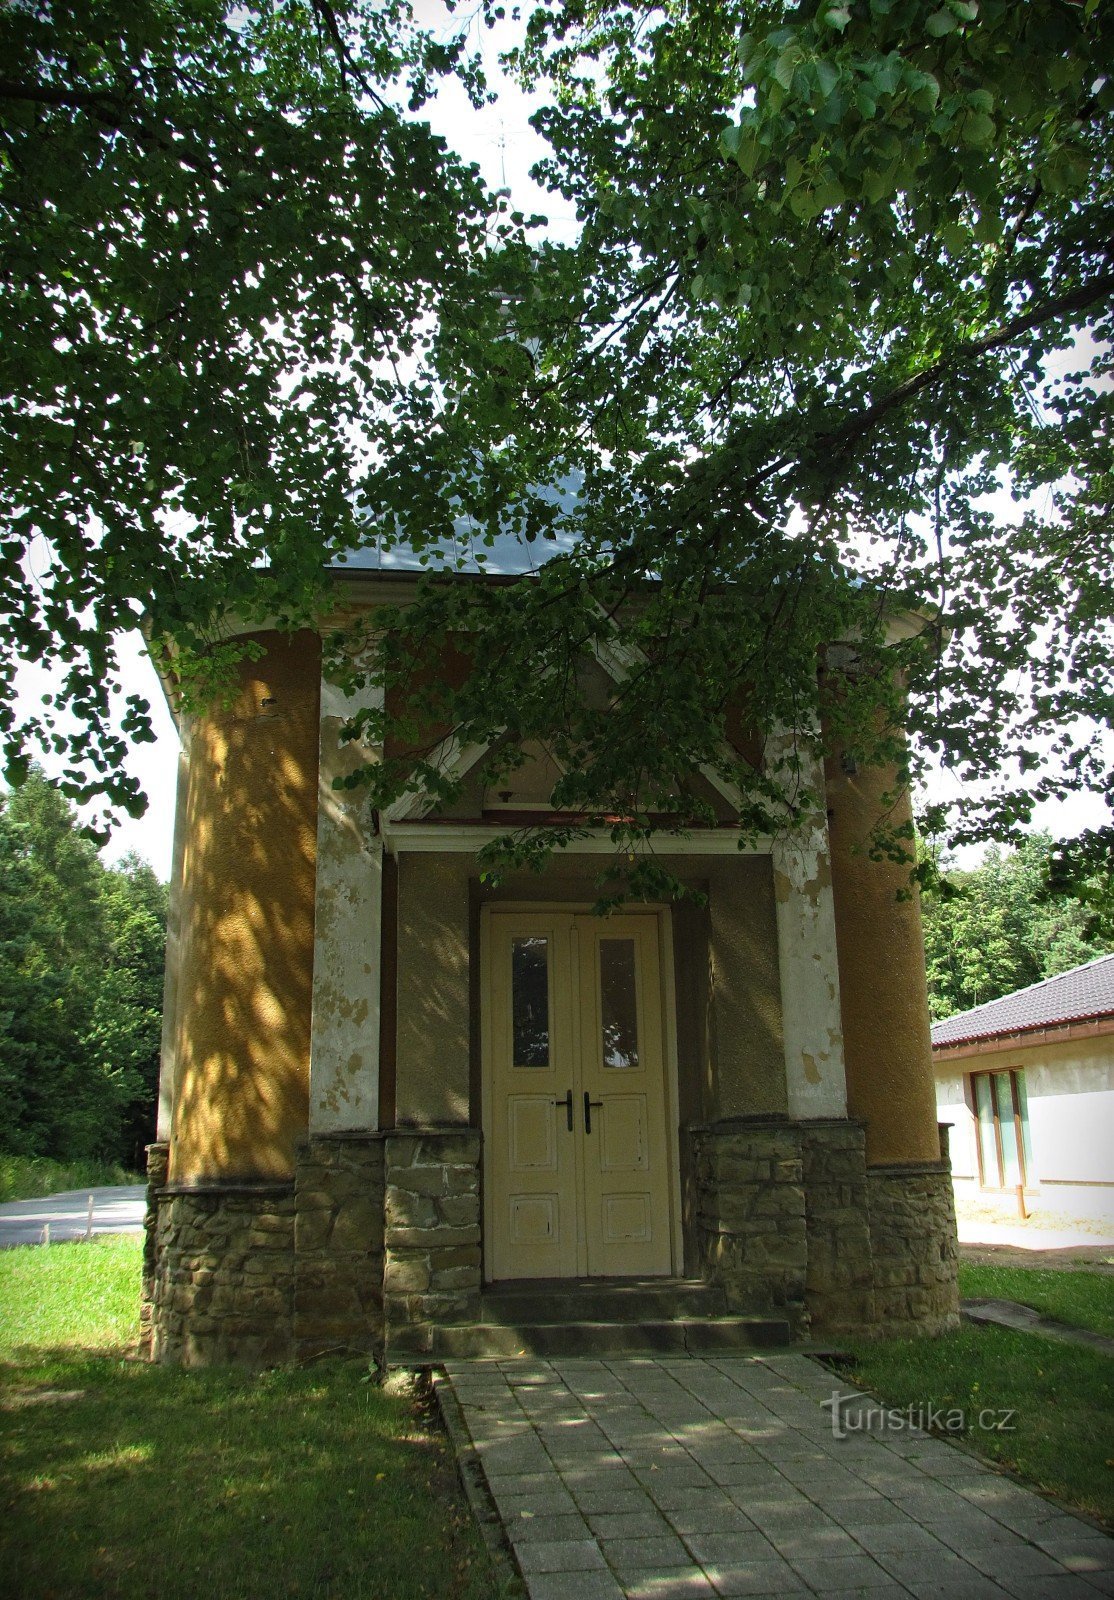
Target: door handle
(588,1105)
(566,1101)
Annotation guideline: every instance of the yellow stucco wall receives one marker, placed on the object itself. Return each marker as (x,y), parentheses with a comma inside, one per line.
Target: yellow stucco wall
(884,999)
(246,907)
(432,1046)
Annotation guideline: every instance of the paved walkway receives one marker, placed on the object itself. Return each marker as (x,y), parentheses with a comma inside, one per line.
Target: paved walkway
(115,1210)
(670,1479)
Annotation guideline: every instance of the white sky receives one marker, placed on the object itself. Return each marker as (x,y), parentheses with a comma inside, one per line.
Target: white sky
(500,140)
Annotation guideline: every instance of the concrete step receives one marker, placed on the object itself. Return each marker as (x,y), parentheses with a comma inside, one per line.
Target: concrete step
(626,1300)
(685,1336)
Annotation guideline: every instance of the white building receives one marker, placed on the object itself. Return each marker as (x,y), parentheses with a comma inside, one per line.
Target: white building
(1027,1083)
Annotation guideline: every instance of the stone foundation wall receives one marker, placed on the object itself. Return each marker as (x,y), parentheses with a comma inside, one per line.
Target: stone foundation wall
(790,1218)
(750,1214)
(158,1162)
(840,1277)
(222,1289)
(377,1241)
(912,1230)
(338,1246)
(432,1268)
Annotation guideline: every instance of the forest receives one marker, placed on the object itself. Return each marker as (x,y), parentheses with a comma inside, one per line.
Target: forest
(82,946)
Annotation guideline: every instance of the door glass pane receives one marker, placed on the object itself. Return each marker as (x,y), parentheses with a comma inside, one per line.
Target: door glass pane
(988,1145)
(530,1002)
(618,1003)
(1026,1146)
(1011,1175)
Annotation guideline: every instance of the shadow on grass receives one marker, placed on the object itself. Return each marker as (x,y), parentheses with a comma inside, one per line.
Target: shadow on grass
(120,1479)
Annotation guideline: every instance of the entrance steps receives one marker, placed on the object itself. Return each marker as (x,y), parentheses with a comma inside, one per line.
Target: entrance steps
(592,1317)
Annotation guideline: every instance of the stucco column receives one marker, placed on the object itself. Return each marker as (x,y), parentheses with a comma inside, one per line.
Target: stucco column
(881,972)
(246,922)
(348,919)
(808,964)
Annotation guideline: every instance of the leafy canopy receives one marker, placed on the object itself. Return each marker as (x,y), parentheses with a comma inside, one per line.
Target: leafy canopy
(224,239)
(999,928)
(842,271)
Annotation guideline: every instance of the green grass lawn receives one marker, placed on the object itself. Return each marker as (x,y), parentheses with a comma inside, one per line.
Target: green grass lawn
(1063,1397)
(125,1480)
(1083,1298)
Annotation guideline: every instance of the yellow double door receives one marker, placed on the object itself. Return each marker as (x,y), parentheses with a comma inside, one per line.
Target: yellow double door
(576,1148)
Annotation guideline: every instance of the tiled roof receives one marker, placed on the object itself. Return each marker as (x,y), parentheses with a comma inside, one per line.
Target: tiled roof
(1084,992)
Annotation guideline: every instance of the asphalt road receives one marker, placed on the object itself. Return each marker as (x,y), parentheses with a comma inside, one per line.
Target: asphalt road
(114,1211)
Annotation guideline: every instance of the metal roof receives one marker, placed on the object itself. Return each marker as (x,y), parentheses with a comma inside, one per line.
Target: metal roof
(1082,994)
(508,555)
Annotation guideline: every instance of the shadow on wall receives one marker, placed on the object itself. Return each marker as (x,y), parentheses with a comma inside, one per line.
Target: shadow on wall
(247,923)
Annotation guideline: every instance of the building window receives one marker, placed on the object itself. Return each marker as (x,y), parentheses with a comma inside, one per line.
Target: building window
(1002,1119)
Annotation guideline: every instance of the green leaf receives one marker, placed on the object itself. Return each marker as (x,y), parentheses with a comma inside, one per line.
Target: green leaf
(940,23)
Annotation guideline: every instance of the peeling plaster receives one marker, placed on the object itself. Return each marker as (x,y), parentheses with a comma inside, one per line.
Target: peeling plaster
(344,1052)
(816,1081)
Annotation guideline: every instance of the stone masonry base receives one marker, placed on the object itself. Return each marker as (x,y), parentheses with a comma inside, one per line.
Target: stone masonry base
(789,1216)
(376,1241)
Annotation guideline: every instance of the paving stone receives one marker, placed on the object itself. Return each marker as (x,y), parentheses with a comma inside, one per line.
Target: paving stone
(976,1587)
(612,1468)
(738,1474)
(863,1509)
(774,1517)
(550,1503)
(840,1572)
(573,1586)
(711,1516)
(929,1579)
(730,1549)
(972,1530)
(677,1496)
(896,1537)
(1069,1587)
(812,1543)
(676,1472)
(1089,1551)
(1005,1561)
(758,1578)
(670,1583)
(591,1498)
(628,1525)
(528,1529)
(559,1555)
(874,1591)
(625,1556)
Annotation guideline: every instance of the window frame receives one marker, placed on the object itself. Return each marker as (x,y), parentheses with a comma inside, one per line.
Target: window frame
(1022,1135)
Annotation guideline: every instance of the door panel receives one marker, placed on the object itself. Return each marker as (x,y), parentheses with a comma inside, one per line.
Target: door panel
(576,1149)
(531,1161)
(624,1148)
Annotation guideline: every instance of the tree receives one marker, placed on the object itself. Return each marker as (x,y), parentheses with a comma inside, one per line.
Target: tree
(223,236)
(124,1031)
(999,929)
(81,963)
(828,256)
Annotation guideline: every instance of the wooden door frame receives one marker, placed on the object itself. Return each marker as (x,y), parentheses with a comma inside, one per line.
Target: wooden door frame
(667,999)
